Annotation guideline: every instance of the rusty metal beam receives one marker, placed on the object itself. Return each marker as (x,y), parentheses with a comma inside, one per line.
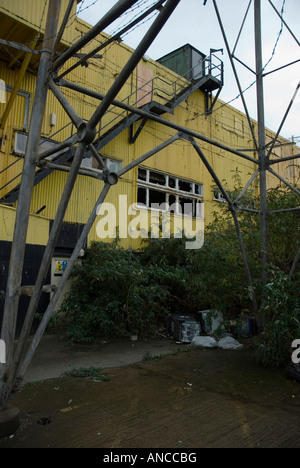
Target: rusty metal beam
(23,209)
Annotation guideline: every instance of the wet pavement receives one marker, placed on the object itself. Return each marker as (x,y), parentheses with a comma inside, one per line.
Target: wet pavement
(187,399)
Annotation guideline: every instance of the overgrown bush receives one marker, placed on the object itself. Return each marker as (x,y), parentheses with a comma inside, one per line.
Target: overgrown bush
(116,291)
(281,311)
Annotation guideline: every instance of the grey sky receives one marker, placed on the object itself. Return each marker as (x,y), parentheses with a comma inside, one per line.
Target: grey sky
(197,24)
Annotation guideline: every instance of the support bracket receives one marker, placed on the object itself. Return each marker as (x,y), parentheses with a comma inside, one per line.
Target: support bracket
(134,136)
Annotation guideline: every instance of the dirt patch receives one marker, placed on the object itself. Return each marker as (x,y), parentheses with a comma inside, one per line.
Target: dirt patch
(193,399)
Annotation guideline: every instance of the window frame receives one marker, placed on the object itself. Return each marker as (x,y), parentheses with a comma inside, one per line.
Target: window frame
(218,196)
(195,198)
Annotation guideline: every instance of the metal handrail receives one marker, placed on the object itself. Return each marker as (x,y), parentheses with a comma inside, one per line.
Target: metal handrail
(210,68)
(213,66)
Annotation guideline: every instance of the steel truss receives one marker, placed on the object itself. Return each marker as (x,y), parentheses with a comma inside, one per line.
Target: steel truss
(50,78)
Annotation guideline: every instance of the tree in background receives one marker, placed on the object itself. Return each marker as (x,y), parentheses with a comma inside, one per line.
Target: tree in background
(116,291)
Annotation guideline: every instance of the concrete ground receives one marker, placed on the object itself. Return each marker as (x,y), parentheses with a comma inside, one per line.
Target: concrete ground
(187,399)
(55,356)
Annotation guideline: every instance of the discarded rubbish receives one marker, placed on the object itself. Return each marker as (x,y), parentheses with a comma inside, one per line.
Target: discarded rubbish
(212,320)
(204,342)
(229,343)
(209,342)
(183,328)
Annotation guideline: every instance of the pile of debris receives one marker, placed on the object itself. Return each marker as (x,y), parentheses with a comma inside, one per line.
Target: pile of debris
(226,342)
(202,330)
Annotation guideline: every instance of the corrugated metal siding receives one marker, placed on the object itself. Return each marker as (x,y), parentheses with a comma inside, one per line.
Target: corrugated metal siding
(38,230)
(33,13)
(14,122)
(225,125)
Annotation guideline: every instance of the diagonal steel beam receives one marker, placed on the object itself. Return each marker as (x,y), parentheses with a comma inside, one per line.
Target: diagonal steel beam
(212,172)
(156,118)
(284,119)
(110,17)
(86,135)
(284,22)
(23,209)
(63,24)
(154,30)
(148,155)
(48,253)
(26,359)
(114,38)
(66,105)
(230,55)
(242,27)
(294,189)
(288,158)
(236,201)
(232,209)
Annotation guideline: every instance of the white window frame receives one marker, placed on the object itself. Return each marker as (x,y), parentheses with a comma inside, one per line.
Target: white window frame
(218,196)
(175,192)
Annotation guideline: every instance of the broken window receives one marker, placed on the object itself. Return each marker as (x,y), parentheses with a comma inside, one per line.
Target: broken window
(142,174)
(198,189)
(112,164)
(218,196)
(157,178)
(142,196)
(168,194)
(172,182)
(185,186)
(156,198)
(187,206)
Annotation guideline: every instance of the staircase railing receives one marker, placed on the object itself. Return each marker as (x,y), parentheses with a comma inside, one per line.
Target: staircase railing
(159,90)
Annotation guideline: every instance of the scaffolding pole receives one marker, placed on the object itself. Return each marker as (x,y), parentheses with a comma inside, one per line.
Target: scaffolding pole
(17,361)
(232,209)
(263,158)
(86,134)
(23,209)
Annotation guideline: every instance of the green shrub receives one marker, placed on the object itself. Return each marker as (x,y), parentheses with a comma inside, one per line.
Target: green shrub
(281,311)
(117,291)
(114,292)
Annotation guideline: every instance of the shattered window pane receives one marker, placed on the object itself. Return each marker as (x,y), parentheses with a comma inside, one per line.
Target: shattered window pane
(185,186)
(156,178)
(172,182)
(187,206)
(156,198)
(142,196)
(142,174)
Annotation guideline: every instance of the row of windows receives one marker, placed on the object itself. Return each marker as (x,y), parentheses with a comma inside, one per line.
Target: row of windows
(162,192)
(169,182)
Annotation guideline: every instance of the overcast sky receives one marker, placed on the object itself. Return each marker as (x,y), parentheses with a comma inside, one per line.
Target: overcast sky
(196,24)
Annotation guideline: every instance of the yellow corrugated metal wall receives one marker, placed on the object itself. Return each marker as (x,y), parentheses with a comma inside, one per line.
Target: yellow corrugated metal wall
(38,230)
(33,13)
